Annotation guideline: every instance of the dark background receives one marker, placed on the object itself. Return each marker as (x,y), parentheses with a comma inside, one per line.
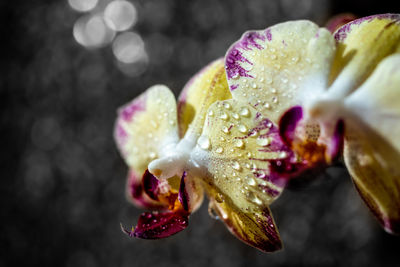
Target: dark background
(62,180)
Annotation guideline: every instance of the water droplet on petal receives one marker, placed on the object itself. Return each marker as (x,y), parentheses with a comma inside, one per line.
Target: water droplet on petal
(244,112)
(253,198)
(250,181)
(263,141)
(225,129)
(239,143)
(219,150)
(242,128)
(227,105)
(204,142)
(236,165)
(235,116)
(224,116)
(211,113)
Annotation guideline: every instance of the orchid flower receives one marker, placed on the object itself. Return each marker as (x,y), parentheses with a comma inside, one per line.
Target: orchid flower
(336,90)
(284,101)
(208,143)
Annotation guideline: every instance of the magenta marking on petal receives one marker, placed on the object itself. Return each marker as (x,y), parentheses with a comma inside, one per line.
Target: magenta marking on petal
(342,32)
(336,146)
(268,34)
(233,67)
(150,185)
(128,111)
(183,195)
(288,123)
(234,86)
(160,225)
(234,56)
(269,229)
(270,191)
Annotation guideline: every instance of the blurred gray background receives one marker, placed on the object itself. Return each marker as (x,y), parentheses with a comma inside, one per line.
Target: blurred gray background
(62,182)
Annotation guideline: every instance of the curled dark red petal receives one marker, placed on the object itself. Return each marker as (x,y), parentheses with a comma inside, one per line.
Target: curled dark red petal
(150,185)
(183,195)
(288,123)
(155,225)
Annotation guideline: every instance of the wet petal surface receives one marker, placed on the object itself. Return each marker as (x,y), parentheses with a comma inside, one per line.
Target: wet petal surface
(279,67)
(146,127)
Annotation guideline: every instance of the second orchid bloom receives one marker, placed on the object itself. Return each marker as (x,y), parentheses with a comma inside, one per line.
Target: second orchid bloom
(283,101)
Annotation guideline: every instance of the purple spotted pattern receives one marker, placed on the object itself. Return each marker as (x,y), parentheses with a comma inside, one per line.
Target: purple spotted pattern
(268,226)
(156,225)
(279,170)
(341,33)
(235,57)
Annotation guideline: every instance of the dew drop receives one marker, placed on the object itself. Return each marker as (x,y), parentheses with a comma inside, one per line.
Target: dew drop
(235,76)
(245,112)
(267,106)
(152,155)
(273,90)
(275,100)
(211,113)
(253,198)
(242,128)
(225,129)
(236,165)
(263,141)
(204,142)
(219,150)
(222,139)
(224,116)
(283,154)
(239,143)
(235,116)
(250,181)
(227,105)
(254,85)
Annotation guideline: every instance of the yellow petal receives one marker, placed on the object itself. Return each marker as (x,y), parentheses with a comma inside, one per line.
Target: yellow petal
(238,146)
(281,66)
(372,147)
(361,45)
(205,88)
(147,127)
(256,228)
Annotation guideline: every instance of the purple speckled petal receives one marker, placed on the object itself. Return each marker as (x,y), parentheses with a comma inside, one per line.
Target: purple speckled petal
(272,69)
(157,225)
(256,228)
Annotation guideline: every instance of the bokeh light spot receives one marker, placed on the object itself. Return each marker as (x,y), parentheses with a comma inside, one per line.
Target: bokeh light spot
(83,5)
(128,48)
(91,31)
(120,15)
